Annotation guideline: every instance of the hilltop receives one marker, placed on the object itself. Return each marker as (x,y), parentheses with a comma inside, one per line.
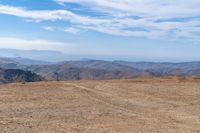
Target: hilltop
(140,105)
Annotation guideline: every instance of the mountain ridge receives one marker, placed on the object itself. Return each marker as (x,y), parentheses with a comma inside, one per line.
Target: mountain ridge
(100,69)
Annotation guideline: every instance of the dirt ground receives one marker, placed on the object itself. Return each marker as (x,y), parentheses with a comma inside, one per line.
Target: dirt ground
(118,106)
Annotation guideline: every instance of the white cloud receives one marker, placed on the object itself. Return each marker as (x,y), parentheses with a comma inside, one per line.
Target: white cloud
(68,29)
(145,8)
(154,17)
(49,28)
(120,15)
(71,30)
(37,15)
(42,15)
(36,44)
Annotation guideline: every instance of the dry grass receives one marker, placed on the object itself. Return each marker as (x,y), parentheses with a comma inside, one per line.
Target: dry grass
(124,106)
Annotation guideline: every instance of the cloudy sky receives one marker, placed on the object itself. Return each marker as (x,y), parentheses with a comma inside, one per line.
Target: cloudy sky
(164,30)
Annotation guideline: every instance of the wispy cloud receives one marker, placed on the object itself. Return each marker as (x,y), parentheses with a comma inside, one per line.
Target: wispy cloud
(144,8)
(48,28)
(143,18)
(36,15)
(72,30)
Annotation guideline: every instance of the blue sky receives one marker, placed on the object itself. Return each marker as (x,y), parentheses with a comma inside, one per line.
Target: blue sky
(146,30)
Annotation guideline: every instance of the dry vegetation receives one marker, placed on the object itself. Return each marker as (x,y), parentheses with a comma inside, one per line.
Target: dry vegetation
(124,106)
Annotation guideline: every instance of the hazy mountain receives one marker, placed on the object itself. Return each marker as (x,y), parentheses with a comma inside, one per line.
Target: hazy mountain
(153,65)
(49,56)
(163,69)
(19,62)
(73,70)
(9,63)
(70,72)
(25,61)
(98,69)
(100,64)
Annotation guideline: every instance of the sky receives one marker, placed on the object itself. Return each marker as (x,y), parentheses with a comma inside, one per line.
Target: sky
(142,30)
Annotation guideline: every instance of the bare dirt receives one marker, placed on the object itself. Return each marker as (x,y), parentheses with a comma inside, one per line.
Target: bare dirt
(118,106)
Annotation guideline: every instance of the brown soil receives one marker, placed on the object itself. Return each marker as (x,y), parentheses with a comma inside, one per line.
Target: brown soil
(119,106)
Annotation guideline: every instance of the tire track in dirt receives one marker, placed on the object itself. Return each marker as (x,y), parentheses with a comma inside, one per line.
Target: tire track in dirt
(147,96)
(93,94)
(184,116)
(98,98)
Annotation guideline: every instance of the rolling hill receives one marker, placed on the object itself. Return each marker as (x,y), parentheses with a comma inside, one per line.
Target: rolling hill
(70,72)
(163,69)
(101,70)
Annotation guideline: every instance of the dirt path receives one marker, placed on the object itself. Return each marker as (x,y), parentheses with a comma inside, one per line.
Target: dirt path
(102,100)
(100,106)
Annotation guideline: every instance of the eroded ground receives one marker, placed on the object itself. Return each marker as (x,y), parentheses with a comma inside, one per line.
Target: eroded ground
(123,106)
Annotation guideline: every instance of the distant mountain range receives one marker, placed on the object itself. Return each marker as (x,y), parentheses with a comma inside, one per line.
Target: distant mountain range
(165,69)
(70,72)
(44,55)
(34,54)
(99,69)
